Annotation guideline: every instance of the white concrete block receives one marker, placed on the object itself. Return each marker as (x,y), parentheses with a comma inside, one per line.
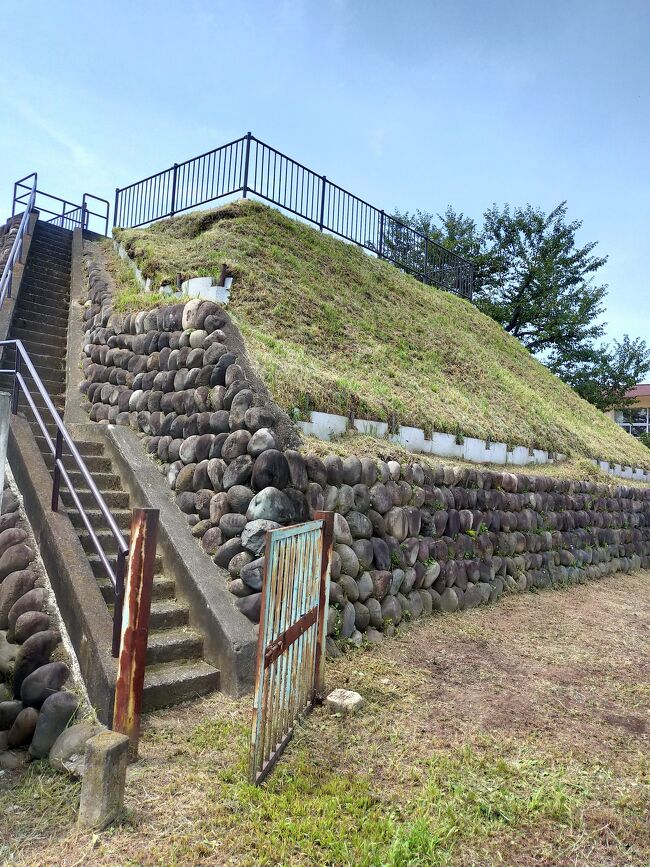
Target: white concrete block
(411,438)
(540,456)
(519,456)
(325,425)
(475,450)
(498,453)
(343,701)
(371,428)
(445,446)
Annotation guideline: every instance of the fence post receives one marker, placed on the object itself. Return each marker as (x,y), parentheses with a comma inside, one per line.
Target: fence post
(326,555)
(246,163)
(13,204)
(135,626)
(381,236)
(322,201)
(426,258)
(174,176)
(115,206)
(56,482)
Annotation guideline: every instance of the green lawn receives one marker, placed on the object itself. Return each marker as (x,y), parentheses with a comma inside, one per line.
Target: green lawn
(334,329)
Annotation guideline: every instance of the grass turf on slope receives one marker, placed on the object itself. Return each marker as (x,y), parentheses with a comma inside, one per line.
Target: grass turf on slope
(334,329)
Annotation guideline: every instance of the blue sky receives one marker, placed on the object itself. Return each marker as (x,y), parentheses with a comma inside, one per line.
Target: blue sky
(410,104)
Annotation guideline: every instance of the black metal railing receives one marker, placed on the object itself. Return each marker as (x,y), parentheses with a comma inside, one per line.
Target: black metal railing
(68,215)
(61,446)
(248,165)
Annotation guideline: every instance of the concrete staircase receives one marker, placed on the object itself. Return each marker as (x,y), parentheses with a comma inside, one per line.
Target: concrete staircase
(175,669)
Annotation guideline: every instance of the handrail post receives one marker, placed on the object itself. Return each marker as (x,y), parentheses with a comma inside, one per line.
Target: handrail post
(15,391)
(135,626)
(120,572)
(173,209)
(56,482)
(13,204)
(246,163)
(322,201)
(381,236)
(115,206)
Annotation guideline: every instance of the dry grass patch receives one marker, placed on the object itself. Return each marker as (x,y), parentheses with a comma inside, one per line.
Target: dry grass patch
(334,329)
(513,734)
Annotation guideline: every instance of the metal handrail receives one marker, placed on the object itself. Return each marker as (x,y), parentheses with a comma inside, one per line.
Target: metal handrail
(70,215)
(116,576)
(249,165)
(17,246)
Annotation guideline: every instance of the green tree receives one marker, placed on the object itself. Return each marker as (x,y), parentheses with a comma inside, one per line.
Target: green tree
(604,374)
(533,278)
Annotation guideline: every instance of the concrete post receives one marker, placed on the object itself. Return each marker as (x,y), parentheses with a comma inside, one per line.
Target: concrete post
(102,789)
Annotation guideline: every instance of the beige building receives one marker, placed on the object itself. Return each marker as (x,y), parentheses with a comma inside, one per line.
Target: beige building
(636,419)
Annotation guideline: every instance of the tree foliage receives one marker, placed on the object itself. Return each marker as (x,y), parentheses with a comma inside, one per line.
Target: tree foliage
(604,374)
(533,277)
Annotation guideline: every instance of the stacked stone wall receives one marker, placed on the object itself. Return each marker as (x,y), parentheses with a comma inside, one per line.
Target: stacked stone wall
(35,706)
(409,539)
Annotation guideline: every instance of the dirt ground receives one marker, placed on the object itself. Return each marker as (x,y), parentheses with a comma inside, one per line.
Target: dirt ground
(515,734)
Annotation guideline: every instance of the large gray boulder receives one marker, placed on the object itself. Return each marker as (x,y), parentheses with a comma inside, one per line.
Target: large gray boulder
(55,715)
(270,504)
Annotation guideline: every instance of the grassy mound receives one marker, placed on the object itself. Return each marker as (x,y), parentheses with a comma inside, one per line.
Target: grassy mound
(334,329)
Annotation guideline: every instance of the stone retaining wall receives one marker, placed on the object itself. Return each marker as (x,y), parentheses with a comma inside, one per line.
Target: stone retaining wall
(408,539)
(35,707)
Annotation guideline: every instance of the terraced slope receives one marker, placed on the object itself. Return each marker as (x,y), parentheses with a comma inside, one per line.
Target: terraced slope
(334,329)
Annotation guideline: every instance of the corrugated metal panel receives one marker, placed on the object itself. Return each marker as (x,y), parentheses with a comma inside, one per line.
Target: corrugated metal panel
(295,593)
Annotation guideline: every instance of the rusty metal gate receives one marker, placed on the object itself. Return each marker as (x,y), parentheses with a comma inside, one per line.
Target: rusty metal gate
(292,631)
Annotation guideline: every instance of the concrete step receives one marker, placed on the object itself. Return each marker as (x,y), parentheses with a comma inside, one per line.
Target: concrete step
(167,614)
(41,333)
(54,381)
(89,447)
(104,536)
(170,645)
(44,228)
(113,499)
(50,292)
(98,567)
(32,295)
(49,267)
(32,305)
(171,683)
(122,517)
(39,402)
(48,244)
(163,588)
(45,362)
(94,463)
(55,323)
(104,481)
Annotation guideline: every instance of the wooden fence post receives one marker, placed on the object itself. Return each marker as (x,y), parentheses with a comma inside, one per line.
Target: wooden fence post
(326,555)
(135,626)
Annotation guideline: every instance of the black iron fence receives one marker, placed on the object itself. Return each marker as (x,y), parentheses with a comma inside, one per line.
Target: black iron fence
(248,165)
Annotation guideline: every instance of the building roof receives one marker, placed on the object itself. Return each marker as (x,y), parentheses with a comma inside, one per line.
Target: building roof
(641,390)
